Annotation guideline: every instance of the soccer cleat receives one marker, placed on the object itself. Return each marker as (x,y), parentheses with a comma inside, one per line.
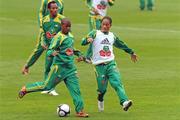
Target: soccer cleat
(127,104)
(45,92)
(82,114)
(100,106)
(88,60)
(53,93)
(22,93)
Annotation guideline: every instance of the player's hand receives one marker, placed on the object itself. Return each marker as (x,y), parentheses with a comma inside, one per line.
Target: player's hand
(79,59)
(134,57)
(55,53)
(95,11)
(25,70)
(89,40)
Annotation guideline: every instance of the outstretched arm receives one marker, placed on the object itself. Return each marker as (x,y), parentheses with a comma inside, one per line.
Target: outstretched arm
(121,45)
(41,12)
(89,38)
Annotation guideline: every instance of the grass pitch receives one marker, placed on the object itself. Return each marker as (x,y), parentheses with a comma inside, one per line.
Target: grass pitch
(152,83)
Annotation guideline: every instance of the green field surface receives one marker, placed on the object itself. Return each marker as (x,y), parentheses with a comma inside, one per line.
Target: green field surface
(153,83)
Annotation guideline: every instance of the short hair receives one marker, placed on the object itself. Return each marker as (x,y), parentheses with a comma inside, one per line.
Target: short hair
(49,4)
(65,20)
(108,18)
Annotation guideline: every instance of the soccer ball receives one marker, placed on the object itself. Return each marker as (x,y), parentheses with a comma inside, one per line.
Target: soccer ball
(63,110)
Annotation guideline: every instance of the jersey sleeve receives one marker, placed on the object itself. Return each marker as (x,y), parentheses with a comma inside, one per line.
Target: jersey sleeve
(43,37)
(89,3)
(118,43)
(77,52)
(61,9)
(92,34)
(41,12)
(56,41)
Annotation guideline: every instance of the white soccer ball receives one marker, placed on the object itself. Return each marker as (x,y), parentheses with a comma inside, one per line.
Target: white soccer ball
(63,110)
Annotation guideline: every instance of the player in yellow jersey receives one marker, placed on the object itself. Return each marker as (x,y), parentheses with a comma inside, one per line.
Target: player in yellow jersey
(44,38)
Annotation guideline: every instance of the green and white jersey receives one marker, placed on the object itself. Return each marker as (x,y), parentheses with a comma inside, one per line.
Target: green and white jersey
(100,5)
(44,9)
(102,46)
(51,26)
(65,45)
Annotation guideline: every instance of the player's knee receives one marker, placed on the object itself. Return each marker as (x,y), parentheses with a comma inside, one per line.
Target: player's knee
(101,96)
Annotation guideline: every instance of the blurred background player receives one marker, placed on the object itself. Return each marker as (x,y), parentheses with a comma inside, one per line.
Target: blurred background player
(150,4)
(63,68)
(103,58)
(49,27)
(98,9)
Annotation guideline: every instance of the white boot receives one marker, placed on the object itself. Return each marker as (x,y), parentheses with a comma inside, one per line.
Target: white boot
(101,106)
(45,92)
(127,104)
(53,93)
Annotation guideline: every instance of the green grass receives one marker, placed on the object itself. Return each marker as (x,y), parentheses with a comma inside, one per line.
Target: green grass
(152,83)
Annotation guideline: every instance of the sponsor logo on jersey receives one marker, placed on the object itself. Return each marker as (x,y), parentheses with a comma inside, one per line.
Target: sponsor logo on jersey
(105,41)
(105,52)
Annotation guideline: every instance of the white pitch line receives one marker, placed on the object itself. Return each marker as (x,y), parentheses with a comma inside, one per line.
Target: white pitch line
(115,27)
(140,29)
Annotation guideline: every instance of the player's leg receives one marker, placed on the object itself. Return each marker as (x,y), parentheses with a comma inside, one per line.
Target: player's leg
(92,23)
(142,4)
(36,53)
(115,81)
(98,23)
(73,86)
(102,83)
(48,84)
(48,63)
(150,4)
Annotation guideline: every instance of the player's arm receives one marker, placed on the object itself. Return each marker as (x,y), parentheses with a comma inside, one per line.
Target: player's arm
(61,10)
(41,12)
(56,41)
(79,54)
(89,3)
(89,38)
(111,2)
(121,45)
(43,37)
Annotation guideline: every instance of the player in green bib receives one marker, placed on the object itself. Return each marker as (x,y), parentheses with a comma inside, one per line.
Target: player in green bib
(103,59)
(62,69)
(51,25)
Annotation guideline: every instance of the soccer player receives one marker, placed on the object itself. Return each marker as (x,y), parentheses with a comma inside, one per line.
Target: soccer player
(63,68)
(103,58)
(51,25)
(44,8)
(98,9)
(150,4)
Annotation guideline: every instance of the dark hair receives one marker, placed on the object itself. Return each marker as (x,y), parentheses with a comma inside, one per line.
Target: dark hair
(65,20)
(108,18)
(49,4)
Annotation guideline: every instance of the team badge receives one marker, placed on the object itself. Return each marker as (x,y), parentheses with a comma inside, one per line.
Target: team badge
(69,51)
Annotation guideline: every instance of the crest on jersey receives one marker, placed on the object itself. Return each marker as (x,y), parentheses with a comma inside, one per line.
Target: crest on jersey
(69,51)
